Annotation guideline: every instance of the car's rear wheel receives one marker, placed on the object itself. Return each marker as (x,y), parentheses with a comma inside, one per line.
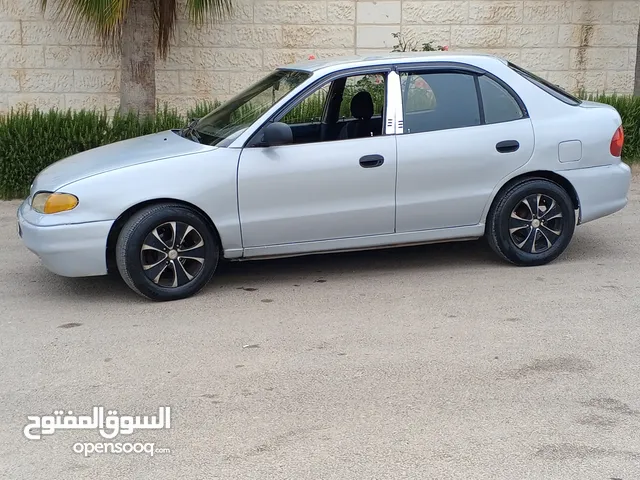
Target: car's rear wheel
(531,223)
(166,252)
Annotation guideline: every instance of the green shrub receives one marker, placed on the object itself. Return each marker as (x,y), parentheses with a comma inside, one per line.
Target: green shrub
(30,140)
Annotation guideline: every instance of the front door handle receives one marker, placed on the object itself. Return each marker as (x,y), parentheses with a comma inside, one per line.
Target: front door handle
(371,161)
(508,146)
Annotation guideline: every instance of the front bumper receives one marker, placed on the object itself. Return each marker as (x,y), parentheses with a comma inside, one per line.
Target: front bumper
(69,250)
(601,190)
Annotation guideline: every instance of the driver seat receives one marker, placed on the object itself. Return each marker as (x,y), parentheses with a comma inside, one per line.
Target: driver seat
(362,111)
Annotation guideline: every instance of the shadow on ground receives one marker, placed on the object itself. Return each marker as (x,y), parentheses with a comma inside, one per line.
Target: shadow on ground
(443,257)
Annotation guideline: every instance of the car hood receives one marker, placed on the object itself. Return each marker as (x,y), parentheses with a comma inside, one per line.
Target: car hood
(148,148)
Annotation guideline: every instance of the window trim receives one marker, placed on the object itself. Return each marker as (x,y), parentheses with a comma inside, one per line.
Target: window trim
(316,85)
(464,69)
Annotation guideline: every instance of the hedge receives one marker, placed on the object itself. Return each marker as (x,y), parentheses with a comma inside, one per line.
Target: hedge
(30,140)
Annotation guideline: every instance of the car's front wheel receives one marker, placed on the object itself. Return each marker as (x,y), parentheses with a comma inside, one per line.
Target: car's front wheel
(166,252)
(531,223)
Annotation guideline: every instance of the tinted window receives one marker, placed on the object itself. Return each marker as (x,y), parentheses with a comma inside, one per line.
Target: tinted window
(499,105)
(439,101)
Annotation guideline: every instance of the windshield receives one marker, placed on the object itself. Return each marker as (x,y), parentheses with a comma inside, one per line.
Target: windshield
(227,122)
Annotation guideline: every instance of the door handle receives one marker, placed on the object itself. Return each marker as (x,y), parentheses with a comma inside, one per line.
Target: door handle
(371,161)
(508,146)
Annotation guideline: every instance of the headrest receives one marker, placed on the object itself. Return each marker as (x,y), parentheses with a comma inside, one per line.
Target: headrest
(362,105)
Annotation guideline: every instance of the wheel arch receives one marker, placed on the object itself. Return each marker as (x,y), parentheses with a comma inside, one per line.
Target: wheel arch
(116,228)
(554,177)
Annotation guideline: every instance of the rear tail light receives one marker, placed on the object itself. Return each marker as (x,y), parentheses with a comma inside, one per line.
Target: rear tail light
(617,142)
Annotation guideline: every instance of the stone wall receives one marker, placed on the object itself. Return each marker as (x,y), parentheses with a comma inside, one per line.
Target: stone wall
(588,44)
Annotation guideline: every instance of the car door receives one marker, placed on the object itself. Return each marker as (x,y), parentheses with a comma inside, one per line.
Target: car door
(320,187)
(463,131)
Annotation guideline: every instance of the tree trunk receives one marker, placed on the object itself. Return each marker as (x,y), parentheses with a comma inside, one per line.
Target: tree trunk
(636,87)
(138,59)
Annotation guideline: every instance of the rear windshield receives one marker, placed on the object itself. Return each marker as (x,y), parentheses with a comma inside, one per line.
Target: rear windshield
(548,87)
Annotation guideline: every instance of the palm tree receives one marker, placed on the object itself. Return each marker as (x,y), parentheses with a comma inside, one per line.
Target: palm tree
(136,29)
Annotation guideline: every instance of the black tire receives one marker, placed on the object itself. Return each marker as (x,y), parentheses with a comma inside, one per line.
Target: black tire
(510,212)
(150,228)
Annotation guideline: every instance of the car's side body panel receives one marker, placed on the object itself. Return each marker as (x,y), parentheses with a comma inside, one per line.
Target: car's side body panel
(445,178)
(312,192)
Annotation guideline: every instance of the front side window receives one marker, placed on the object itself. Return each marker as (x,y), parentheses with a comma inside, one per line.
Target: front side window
(439,101)
(227,122)
(341,109)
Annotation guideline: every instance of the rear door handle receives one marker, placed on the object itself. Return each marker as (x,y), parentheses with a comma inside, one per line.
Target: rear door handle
(371,161)
(508,146)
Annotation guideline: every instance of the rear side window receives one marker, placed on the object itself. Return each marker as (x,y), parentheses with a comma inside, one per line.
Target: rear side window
(439,101)
(499,105)
(548,87)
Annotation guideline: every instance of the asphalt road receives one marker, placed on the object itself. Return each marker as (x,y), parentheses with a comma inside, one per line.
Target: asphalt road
(436,362)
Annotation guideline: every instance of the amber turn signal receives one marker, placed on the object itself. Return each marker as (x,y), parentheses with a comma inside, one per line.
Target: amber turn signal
(48,202)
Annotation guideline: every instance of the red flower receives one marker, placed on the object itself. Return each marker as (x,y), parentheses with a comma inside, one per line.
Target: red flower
(445,48)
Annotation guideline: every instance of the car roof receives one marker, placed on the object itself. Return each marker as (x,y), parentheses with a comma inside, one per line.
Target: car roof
(343,62)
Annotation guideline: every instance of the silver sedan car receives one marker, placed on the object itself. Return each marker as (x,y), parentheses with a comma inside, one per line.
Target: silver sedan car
(334,155)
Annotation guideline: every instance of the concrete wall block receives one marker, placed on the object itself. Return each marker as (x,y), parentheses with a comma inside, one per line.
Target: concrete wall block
(510,54)
(51,33)
(341,12)
(435,12)
(290,12)
(626,12)
(96,81)
(574,81)
(424,34)
(277,57)
(480,36)
(598,35)
(227,59)
(238,83)
(306,36)
(620,82)
(46,80)
(378,36)
(591,12)
(15,56)
(495,12)
(599,59)
(10,80)
(204,82)
(532,35)
(545,12)
(180,58)
(41,101)
(379,12)
(92,101)
(545,59)
(10,33)
(96,57)
(21,10)
(167,81)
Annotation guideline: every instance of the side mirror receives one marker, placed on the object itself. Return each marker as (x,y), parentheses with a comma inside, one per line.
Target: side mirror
(278,133)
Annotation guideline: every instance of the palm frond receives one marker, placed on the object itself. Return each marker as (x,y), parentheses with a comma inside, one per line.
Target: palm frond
(166,14)
(202,10)
(102,18)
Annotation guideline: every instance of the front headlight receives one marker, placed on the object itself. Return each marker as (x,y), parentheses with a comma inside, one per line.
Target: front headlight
(50,202)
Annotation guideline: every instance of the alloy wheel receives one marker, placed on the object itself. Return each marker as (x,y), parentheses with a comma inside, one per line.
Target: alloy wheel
(536,223)
(173,254)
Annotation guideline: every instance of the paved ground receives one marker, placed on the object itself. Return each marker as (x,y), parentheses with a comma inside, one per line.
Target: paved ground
(424,363)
